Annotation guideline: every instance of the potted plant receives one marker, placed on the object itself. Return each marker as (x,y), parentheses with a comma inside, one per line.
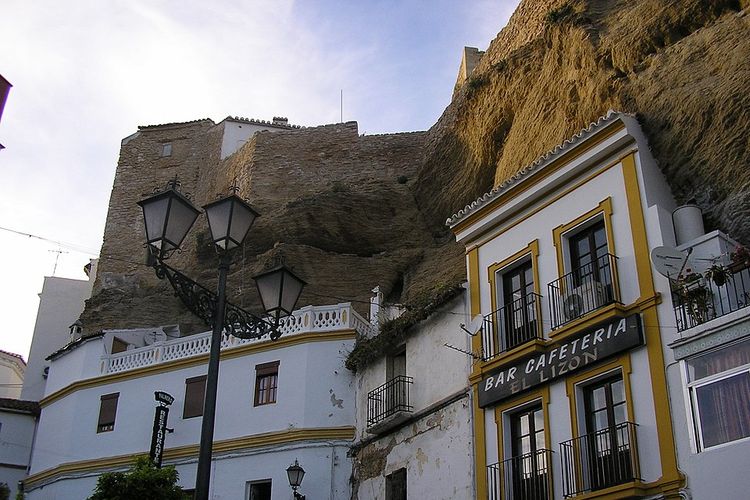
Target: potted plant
(695,296)
(718,274)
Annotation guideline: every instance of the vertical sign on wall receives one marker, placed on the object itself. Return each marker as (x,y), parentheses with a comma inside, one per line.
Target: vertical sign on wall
(160,426)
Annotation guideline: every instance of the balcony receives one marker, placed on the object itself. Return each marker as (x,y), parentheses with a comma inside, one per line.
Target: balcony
(512,325)
(309,319)
(599,460)
(525,477)
(586,289)
(389,404)
(702,300)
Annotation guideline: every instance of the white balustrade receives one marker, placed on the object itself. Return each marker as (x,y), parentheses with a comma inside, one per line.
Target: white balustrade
(309,319)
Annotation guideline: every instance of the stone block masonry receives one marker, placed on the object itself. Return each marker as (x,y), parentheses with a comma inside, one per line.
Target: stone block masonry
(336,206)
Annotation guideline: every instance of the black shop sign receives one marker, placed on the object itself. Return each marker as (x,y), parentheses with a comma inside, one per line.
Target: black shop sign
(599,342)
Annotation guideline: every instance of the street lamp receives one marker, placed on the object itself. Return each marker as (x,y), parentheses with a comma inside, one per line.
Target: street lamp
(295,472)
(168,216)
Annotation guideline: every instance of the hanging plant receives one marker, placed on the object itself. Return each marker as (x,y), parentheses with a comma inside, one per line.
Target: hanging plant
(718,274)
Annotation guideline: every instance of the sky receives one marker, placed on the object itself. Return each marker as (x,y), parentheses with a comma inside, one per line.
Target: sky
(87,73)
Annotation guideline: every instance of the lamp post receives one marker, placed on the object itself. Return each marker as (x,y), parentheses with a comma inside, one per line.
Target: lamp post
(295,472)
(168,216)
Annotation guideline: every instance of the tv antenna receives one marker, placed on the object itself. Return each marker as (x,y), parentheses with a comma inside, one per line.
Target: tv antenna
(57,258)
(464,351)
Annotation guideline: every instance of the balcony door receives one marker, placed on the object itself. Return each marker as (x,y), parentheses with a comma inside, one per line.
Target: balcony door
(395,373)
(519,322)
(588,254)
(608,446)
(528,467)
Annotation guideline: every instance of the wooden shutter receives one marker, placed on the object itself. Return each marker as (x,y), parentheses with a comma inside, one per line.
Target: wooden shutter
(266,381)
(107,412)
(195,392)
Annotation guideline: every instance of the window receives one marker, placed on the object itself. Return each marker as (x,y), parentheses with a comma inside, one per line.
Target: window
(395,485)
(107,412)
(195,393)
(266,381)
(516,320)
(719,387)
(529,465)
(259,490)
(166,149)
(607,439)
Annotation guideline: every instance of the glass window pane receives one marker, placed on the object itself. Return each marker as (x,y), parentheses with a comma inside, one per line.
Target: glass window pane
(598,398)
(621,414)
(525,424)
(618,391)
(724,410)
(714,362)
(600,420)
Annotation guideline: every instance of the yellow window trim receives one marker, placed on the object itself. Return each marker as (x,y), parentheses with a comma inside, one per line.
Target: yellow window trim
(480,447)
(621,363)
(541,394)
(532,251)
(604,209)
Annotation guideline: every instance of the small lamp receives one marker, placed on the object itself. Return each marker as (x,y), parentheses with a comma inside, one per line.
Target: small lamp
(295,473)
(168,216)
(229,220)
(279,290)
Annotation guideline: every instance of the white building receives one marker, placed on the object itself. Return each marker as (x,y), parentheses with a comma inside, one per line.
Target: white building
(709,377)
(277,402)
(61,302)
(17,424)
(12,369)
(414,433)
(571,394)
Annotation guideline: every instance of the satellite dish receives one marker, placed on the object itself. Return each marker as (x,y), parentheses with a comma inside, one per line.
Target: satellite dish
(670,262)
(474,326)
(154,336)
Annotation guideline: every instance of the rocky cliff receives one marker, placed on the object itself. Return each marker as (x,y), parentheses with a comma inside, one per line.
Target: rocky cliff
(350,212)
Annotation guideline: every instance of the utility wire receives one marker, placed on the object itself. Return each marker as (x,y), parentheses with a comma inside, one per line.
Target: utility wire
(70,246)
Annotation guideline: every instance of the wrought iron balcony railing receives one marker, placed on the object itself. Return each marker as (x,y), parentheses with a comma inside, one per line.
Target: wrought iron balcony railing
(703,300)
(388,400)
(512,325)
(583,290)
(600,459)
(525,477)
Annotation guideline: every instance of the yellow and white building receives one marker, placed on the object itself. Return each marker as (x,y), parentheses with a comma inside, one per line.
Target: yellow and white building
(570,394)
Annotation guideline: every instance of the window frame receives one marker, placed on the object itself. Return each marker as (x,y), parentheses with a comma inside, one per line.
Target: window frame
(107,426)
(390,479)
(690,397)
(561,235)
(195,412)
(263,371)
(166,150)
(496,271)
(249,487)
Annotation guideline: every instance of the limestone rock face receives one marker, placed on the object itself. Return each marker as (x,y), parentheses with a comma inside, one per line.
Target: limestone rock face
(681,67)
(350,212)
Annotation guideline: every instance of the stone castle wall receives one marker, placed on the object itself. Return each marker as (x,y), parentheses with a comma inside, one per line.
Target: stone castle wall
(334,205)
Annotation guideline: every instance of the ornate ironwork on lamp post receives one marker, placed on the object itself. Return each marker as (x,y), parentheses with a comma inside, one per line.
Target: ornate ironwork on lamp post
(168,216)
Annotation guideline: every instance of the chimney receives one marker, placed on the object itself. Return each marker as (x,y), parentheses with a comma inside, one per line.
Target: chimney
(280,120)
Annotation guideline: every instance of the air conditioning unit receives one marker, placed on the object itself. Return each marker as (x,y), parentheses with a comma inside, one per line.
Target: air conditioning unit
(582,299)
